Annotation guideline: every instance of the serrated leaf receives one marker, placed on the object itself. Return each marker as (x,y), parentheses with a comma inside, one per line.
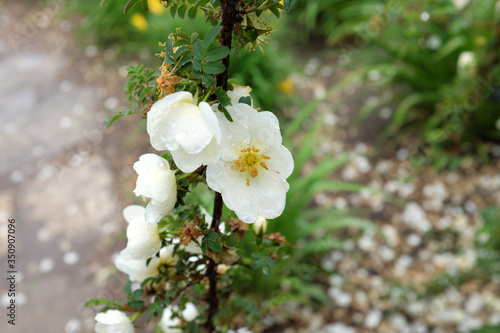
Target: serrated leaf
(181,42)
(182,11)
(194,36)
(246,100)
(275,11)
(116,116)
(173,10)
(128,288)
(181,51)
(211,34)
(198,50)
(226,113)
(192,13)
(197,64)
(288,5)
(230,240)
(144,93)
(197,73)
(169,49)
(208,80)
(130,4)
(217,53)
(138,293)
(183,61)
(214,68)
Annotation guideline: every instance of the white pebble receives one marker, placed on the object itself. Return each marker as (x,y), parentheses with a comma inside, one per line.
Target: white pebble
(45,265)
(373,319)
(71,258)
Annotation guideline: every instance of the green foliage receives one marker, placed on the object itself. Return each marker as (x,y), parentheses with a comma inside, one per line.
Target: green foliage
(442,70)
(491,228)
(332,21)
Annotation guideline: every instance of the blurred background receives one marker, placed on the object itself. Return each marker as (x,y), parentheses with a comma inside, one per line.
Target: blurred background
(390,108)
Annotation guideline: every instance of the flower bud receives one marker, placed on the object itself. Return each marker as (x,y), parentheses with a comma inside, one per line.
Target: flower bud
(260,226)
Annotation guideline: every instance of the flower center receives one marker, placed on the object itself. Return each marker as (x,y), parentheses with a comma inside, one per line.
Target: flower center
(249,162)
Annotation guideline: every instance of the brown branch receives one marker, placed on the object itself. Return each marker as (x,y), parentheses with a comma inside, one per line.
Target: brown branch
(229,16)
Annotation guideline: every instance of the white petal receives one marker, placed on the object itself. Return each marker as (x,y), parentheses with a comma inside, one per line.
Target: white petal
(238,92)
(281,161)
(113,321)
(190,162)
(143,239)
(133,211)
(191,132)
(137,270)
(190,312)
(160,111)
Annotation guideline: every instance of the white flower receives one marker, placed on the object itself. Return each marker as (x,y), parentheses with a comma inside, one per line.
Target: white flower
(190,312)
(113,321)
(155,182)
(190,132)
(260,225)
(238,92)
(252,169)
(143,239)
(168,323)
(467,64)
(137,270)
(167,256)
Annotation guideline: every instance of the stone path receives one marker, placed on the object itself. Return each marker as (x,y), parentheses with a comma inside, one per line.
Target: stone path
(55,180)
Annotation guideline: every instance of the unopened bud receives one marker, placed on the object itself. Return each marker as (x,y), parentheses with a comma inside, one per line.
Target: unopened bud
(260,226)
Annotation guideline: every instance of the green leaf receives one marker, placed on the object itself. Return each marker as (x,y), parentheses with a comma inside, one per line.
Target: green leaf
(138,294)
(169,50)
(197,64)
(217,53)
(194,37)
(182,11)
(198,50)
(214,68)
(226,113)
(208,80)
(288,4)
(103,2)
(212,239)
(144,5)
(116,116)
(144,93)
(338,223)
(211,34)
(130,4)
(102,301)
(231,240)
(450,46)
(128,288)
(192,13)
(275,11)
(173,10)
(246,100)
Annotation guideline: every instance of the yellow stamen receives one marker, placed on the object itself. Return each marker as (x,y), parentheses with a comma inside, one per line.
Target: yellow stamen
(250,161)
